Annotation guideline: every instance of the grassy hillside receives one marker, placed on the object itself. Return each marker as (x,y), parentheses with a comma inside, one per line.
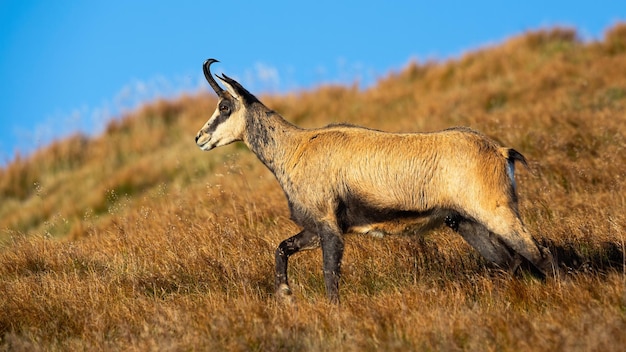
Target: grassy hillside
(137,240)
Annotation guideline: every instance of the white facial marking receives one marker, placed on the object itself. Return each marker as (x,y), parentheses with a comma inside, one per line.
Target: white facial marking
(203,139)
(224,127)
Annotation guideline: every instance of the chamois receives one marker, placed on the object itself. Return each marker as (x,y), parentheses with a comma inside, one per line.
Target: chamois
(342,179)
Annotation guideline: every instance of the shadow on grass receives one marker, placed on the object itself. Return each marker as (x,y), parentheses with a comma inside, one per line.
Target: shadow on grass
(588,258)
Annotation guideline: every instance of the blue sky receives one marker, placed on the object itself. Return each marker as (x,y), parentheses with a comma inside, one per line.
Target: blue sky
(69,66)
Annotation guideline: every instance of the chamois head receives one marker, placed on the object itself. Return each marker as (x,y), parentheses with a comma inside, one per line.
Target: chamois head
(228,122)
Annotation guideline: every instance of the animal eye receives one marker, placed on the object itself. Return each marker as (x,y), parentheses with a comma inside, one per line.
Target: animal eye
(224,108)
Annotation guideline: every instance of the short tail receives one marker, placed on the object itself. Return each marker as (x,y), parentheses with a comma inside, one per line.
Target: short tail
(513,155)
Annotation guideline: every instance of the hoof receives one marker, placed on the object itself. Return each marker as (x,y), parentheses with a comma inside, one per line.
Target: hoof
(548,264)
(283,293)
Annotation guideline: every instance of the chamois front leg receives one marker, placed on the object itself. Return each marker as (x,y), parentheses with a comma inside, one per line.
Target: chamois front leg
(332,253)
(304,240)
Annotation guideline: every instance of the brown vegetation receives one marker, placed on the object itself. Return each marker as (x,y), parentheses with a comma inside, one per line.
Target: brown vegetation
(137,240)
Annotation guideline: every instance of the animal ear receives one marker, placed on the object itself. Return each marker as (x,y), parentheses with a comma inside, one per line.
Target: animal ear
(237,90)
(231,85)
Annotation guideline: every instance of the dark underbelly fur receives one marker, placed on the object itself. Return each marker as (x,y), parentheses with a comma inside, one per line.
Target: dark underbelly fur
(354,212)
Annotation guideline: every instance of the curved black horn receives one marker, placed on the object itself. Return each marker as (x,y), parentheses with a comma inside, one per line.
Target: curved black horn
(209,77)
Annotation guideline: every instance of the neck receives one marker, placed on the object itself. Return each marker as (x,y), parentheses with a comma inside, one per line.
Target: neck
(267,135)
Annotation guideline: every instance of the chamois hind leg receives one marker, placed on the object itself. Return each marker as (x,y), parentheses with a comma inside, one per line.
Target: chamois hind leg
(332,253)
(304,240)
(485,242)
(505,223)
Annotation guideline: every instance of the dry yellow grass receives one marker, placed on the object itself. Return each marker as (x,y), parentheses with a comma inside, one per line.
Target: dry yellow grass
(136,240)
